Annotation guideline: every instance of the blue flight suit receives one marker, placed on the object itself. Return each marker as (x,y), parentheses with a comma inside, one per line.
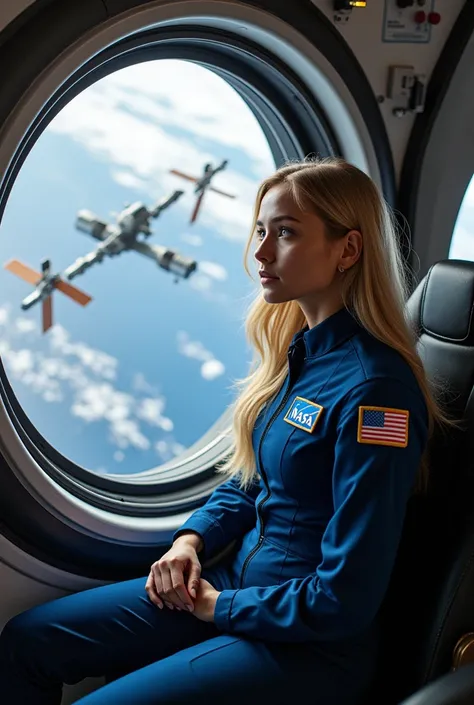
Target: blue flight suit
(337,451)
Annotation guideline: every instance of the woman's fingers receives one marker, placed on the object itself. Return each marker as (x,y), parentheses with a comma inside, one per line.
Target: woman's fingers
(152,593)
(169,593)
(158,585)
(177,580)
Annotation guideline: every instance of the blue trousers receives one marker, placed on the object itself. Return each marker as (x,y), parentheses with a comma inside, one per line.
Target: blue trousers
(164,657)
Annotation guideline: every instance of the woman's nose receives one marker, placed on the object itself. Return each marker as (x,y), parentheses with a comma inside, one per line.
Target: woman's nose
(263,251)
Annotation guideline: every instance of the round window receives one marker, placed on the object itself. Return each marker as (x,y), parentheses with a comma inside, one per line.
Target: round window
(139,195)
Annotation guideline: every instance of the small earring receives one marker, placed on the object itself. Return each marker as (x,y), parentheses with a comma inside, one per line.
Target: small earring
(341,269)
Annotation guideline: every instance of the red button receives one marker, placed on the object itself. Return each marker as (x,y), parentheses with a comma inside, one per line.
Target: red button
(434,18)
(420,17)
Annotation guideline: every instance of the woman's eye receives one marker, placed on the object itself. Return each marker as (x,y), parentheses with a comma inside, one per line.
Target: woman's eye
(281,231)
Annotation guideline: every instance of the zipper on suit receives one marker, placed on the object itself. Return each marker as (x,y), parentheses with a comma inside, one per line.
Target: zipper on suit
(292,376)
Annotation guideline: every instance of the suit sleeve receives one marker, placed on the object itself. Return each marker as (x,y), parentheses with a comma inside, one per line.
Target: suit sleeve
(227,515)
(371,487)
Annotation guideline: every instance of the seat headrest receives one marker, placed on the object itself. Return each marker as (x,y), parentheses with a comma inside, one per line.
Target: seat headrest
(442,304)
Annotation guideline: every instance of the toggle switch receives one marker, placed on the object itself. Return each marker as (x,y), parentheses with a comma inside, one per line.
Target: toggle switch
(434,18)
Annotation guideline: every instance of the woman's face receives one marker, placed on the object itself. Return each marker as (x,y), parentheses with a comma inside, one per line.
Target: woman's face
(294,251)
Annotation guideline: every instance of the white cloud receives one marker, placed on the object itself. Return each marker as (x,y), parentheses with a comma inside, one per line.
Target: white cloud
(123,120)
(195,240)
(22,363)
(177,448)
(122,411)
(204,284)
(168,451)
(462,243)
(129,180)
(25,325)
(213,270)
(211,367)
(185,95)
(86,382)
(99,401)
(140,384)
(151,410)
(162,449)
(98,361)
(200,282)
(126,432)
(4,315)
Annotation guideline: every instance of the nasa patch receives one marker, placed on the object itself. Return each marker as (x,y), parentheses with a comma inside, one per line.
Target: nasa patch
(303,414)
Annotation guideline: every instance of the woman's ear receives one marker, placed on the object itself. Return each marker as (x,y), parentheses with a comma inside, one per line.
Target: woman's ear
(352,249)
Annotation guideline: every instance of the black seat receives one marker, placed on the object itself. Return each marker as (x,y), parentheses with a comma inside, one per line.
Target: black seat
(428,613)
(454,689)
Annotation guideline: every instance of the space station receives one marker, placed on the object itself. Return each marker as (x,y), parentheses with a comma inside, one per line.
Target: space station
(236,352)
(133,221)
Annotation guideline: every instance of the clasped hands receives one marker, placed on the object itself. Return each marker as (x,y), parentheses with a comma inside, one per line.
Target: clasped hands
(175,582)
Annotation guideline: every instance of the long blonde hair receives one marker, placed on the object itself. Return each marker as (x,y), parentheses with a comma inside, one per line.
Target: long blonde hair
(375,289)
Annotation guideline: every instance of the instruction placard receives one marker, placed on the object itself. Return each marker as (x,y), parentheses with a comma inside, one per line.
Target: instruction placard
(399,24)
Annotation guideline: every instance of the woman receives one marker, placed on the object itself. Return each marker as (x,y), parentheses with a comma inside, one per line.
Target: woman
(329,433)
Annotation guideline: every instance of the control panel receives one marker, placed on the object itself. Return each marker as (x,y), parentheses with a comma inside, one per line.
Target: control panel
(409,21)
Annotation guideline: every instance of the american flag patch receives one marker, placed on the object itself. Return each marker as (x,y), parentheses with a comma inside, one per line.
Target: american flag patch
(383,427)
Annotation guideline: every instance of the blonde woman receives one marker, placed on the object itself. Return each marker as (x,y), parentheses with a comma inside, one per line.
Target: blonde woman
(328,439)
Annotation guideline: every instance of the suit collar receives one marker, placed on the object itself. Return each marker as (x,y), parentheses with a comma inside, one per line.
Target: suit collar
(328,334)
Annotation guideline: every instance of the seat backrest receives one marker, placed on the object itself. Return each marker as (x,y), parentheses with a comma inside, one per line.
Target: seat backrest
(430,601)
(452,689)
